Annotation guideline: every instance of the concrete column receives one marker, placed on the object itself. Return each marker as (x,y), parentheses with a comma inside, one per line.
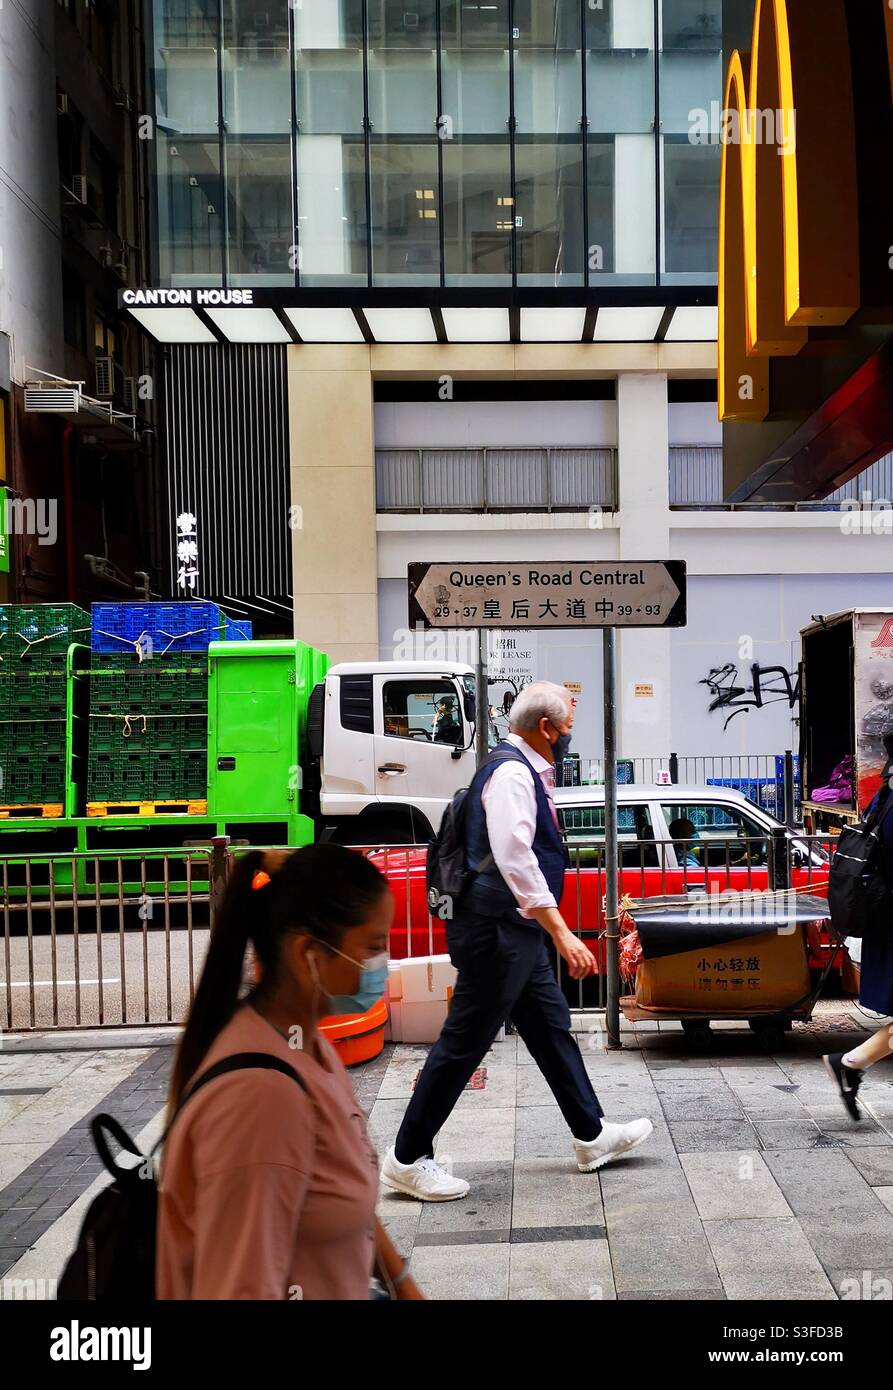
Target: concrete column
(644,516)
(333,486)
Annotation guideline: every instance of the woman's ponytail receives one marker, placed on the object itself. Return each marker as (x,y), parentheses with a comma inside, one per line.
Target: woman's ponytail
(218,990)
(321,889)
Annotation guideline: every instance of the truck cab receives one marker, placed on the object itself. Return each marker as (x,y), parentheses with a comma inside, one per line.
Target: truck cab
(396,742)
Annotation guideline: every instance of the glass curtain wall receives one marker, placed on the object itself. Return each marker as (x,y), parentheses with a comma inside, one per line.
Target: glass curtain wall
(543,143)
(691,76)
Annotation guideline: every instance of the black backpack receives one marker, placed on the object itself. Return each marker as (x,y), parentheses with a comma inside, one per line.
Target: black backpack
(858,892)
(447,876)
(116,1245)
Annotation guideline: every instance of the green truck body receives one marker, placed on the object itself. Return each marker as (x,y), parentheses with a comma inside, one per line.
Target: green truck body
(258,694)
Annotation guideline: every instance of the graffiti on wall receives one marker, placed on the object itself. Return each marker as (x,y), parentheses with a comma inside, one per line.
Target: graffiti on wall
(768,685)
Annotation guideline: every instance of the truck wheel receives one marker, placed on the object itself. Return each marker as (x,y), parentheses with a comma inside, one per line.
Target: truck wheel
(769,1033)
(374,832)
(699,1034)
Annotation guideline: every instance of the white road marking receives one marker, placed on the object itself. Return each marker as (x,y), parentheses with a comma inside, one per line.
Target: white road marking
(25,984)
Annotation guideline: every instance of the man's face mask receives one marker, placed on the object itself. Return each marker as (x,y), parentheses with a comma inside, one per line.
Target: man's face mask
(560,746)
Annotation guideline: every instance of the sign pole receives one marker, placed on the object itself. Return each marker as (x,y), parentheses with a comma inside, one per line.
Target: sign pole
(482,700)
(612,936)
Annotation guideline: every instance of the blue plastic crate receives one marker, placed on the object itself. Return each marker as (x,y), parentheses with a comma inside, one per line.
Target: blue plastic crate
(237,629)
(170,627)
(762,791)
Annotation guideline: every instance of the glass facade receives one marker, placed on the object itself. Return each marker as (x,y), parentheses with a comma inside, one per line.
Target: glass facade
(437,142)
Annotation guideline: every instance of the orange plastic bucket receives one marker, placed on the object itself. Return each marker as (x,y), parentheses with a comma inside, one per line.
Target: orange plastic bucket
(358,1037)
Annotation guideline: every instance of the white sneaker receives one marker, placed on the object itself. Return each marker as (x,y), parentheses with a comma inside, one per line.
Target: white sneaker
(613,1142)
(425,1180)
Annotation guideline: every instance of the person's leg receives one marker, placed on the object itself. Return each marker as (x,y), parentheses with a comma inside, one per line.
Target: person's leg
(874,1049)
(542,1018)
(489,981)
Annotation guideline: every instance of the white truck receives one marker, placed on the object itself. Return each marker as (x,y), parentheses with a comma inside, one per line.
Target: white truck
(390,743)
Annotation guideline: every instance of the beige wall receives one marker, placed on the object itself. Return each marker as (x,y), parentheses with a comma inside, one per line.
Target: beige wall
(333,484)
(332,445)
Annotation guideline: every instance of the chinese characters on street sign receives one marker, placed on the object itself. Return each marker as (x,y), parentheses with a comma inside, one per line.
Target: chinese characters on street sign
(600,593)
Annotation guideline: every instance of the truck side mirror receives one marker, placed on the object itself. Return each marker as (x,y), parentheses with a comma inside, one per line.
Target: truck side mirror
(456,753)
(468,706)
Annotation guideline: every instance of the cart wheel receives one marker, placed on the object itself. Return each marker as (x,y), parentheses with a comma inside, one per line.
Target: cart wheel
(770,1034)
(699,1034)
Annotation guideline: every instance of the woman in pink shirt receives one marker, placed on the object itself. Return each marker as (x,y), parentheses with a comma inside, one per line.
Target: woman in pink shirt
(268,1187)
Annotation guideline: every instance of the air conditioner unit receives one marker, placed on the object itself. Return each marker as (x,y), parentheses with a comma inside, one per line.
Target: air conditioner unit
(76,195)
(54,400)
(128,395)
(105,377)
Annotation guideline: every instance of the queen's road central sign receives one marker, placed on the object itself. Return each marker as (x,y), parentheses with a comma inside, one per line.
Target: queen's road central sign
(599,593)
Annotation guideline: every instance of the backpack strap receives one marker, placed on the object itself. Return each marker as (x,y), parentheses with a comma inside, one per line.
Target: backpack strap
(240,1061)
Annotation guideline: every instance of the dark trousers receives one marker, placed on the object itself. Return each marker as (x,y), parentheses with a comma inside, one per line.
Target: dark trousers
(503,972)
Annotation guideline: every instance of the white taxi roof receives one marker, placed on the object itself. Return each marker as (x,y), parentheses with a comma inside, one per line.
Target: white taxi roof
(673,794)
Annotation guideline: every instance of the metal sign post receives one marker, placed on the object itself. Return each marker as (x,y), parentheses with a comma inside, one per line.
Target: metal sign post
(560,594)
(612,933)
(482,700)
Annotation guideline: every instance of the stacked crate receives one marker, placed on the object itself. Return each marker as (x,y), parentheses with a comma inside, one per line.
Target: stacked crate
(40,733)
(149,706)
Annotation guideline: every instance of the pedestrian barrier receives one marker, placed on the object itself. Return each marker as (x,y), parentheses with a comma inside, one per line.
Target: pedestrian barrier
(116,939)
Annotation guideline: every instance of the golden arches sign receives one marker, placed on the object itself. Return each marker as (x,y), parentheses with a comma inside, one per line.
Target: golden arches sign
(788,216)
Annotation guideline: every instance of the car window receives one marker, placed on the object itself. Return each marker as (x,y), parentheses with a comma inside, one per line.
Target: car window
(584,828)
(711,834)
(427,711)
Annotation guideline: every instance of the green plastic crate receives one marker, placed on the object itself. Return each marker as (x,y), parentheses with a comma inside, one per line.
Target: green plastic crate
(40,634)
(134,733)
(30,694)
(31,781)
(149,776)
(176,685)
(34,737)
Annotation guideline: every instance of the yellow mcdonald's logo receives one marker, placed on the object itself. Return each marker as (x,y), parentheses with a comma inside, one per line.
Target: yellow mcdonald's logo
(788,210)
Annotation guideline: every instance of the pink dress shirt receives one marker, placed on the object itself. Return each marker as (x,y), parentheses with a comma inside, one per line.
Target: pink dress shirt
(268,1191)
(509,802)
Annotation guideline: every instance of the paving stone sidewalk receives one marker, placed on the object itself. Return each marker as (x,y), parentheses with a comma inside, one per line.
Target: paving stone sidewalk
(754,1185)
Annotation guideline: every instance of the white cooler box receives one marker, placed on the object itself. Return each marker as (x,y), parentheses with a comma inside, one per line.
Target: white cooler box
(419,994)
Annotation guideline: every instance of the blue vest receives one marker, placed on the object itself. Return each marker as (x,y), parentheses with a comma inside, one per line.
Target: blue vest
(489,894)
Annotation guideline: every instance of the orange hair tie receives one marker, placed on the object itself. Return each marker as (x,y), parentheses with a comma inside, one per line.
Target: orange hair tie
(261,879)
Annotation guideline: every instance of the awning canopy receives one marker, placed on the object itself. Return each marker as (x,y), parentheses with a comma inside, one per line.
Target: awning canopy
(634,314)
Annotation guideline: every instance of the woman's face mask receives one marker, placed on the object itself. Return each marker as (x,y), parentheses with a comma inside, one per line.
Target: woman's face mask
(373,981)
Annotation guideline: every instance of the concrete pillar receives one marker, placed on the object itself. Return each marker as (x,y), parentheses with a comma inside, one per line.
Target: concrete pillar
(644,515)
(333,499)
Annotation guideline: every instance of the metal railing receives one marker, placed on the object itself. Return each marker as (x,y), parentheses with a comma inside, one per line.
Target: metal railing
(769,780)
(496,479)
(118,939)
(107,939)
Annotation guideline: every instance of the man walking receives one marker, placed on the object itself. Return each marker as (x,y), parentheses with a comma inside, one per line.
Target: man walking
(497,943)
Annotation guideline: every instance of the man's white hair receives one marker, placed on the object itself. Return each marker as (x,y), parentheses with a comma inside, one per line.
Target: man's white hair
(542,700)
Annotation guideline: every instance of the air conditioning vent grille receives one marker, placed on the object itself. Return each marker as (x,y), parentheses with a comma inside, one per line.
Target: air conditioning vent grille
(60,399)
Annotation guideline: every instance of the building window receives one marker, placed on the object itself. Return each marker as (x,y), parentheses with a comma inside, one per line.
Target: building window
(439,141)
(74,313)
(106,337)
(102,26)
(102,175)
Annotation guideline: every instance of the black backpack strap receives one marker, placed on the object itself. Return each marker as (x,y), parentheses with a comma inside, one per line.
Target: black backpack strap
(240,1061)
(99,1125)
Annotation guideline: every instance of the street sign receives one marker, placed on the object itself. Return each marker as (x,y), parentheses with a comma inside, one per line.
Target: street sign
(541,594)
